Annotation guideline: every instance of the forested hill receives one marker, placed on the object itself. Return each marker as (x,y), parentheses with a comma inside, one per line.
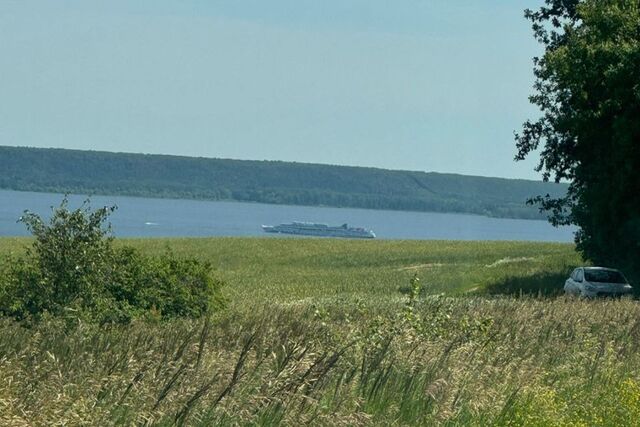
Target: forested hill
(92,172)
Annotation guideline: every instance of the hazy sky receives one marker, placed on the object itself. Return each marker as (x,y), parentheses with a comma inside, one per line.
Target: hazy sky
(431,85)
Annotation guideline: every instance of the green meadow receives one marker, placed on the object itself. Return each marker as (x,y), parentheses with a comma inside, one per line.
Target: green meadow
(270,270)
(341,332)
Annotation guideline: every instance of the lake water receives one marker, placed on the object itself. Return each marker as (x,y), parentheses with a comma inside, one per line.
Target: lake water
(142,217)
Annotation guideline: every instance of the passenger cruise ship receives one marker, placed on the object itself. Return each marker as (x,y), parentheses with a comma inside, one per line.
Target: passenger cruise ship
(314,229)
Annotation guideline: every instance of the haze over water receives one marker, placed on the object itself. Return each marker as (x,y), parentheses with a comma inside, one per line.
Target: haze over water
(144,217)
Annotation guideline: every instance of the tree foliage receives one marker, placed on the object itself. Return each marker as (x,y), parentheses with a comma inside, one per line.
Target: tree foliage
(92,172)
(73,269)
(588,91)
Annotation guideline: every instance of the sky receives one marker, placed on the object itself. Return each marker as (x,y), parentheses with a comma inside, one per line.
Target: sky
(426,85)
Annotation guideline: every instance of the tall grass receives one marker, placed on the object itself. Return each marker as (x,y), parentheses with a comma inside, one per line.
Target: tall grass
(462,361)
(327,332)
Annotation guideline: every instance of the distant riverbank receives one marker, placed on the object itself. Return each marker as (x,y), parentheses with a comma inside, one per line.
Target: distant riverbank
(272,182)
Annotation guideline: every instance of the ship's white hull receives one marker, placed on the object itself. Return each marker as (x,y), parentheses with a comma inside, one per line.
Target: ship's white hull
(323,231)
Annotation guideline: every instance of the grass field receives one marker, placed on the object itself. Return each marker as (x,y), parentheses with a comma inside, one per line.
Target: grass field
(335,332)
(291,270)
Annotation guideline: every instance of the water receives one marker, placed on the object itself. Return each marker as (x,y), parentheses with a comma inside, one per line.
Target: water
(142,217)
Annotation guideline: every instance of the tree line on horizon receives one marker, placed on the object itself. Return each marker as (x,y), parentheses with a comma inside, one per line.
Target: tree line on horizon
(91,172)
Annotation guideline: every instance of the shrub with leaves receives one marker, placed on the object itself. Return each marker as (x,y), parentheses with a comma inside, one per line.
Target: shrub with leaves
(73,269)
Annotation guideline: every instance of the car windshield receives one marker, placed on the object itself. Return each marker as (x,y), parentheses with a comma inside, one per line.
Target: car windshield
(604,276)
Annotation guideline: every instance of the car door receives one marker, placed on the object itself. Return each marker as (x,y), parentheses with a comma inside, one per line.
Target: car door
(571,285)
(579,280)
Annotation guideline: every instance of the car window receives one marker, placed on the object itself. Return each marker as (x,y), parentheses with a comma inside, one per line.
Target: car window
(574,274)
(604,276)
(579,275)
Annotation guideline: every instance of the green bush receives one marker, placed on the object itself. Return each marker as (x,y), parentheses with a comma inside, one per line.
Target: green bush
(74,270)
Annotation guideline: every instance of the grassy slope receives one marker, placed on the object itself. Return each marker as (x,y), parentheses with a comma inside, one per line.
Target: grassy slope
(280,270)
(284,270)
(319,332)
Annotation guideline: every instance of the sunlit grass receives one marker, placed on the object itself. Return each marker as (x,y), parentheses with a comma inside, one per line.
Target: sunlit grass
(325,332)
(264,269)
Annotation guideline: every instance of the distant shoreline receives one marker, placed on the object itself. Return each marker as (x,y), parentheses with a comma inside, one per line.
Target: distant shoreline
(270,182)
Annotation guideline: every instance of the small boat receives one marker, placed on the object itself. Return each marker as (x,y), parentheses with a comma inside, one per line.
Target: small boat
(324,230)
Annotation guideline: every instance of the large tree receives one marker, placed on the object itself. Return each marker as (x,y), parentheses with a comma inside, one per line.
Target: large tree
(588,91)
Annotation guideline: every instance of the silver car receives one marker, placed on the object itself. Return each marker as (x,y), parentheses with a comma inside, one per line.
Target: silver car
(597,281)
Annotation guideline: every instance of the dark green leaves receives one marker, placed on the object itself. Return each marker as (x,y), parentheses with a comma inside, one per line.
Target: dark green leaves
(587,89)
(74,270)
